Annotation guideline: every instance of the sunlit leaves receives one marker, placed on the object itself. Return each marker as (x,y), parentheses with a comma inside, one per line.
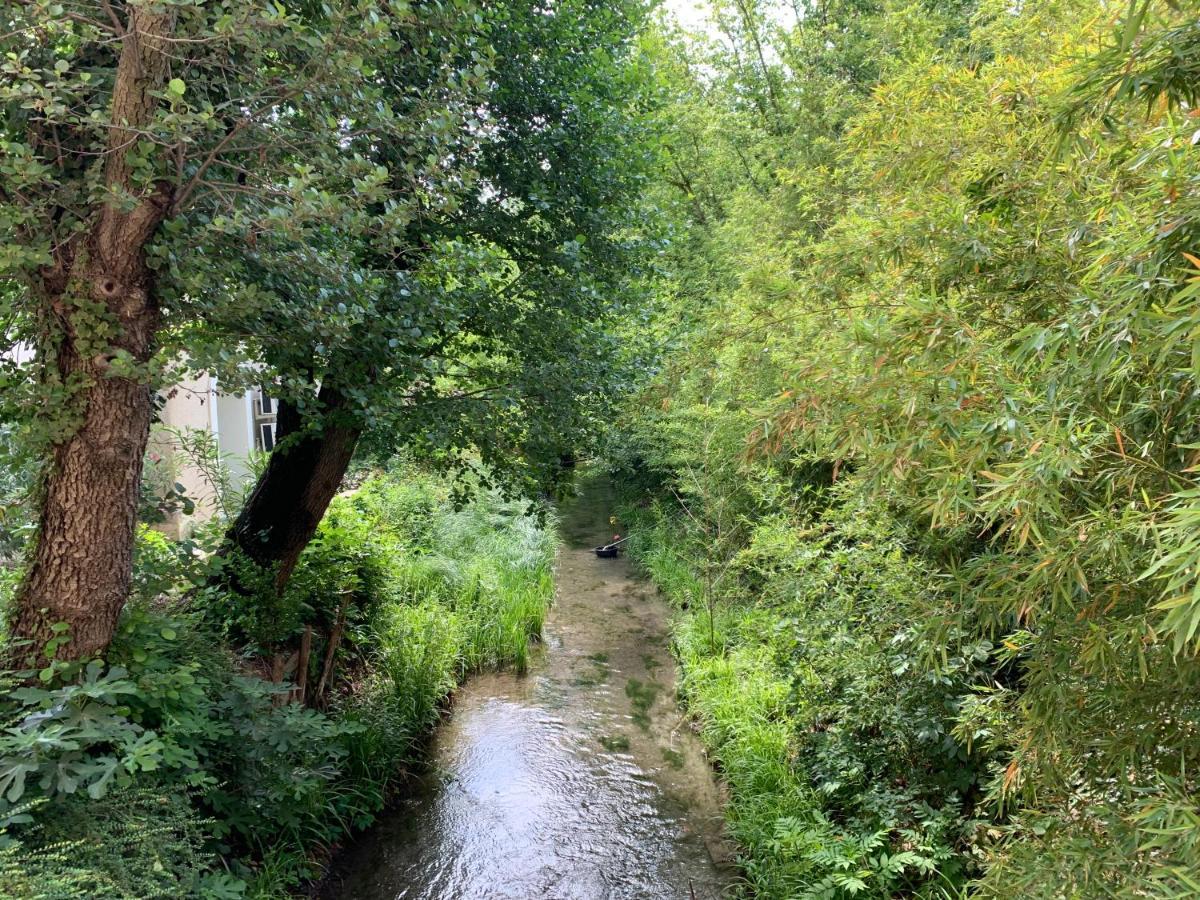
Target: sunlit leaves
(994,331)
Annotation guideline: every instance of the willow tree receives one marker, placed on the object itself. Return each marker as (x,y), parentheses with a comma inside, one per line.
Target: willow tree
(133,135)
(479,330)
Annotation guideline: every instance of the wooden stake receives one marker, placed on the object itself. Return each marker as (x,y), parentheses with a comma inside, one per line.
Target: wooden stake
(302,664)
(335,638)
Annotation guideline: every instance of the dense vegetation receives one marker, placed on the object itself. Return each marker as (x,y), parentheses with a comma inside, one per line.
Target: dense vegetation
(415,225)
(921,460)
(892,305)
(177,769)
(415,221)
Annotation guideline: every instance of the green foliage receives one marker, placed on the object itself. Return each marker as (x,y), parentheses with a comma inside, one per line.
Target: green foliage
(469,590)
(923,444)
(135,843)
(415,221)
(255,152)
(74,737)
(464,313)
(284,765)
(348,565)
(137,776)
(836,741)
(162,566)
(414,668)
(16,471)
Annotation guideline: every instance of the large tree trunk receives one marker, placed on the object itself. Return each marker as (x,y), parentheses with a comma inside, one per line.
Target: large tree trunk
(301,478)
(81,561)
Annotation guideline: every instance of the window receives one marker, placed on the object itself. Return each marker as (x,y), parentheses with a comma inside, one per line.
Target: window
(266,409)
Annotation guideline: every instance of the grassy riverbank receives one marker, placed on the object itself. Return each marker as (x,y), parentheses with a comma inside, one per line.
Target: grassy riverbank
(178,768)
(799,661)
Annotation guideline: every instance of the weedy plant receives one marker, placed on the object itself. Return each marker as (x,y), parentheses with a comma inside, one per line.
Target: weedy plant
(178,767)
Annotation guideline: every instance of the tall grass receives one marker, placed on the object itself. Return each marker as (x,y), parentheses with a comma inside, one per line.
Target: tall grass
(799,665)
(738,698)
(468,589)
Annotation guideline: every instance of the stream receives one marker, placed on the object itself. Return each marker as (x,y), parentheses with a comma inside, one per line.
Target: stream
(580,780)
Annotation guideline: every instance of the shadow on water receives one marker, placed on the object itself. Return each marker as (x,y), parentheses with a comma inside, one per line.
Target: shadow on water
(579,780)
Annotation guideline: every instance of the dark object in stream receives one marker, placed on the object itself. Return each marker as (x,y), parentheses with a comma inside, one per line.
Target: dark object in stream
(608,551)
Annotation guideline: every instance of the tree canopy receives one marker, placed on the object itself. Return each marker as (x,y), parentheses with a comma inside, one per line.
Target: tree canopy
(354,202)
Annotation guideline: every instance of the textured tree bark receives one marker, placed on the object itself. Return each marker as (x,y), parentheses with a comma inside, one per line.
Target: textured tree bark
(81,561)
(291,496)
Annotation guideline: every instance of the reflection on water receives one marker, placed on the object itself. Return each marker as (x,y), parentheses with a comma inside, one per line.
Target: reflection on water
(579,780)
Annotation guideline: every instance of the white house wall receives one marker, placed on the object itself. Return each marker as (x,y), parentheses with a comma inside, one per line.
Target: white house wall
(235,433)
(196,404)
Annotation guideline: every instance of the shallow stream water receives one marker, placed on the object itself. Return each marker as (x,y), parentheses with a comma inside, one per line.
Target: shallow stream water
(580,780)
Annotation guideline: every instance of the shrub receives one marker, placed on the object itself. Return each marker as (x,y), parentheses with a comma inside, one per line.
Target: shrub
(162,566)
(807,674)
(348,566)
(171,768)
(137,843)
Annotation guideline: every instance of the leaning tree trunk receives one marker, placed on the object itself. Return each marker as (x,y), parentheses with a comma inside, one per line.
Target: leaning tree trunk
(291,496)
(80,565)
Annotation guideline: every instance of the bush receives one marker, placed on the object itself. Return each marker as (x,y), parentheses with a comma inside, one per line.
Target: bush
(162,566)
(172,768)
(805,667)
(136,843)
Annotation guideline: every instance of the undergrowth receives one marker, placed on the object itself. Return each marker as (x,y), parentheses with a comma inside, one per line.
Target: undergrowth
(177,766)
(803,663)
